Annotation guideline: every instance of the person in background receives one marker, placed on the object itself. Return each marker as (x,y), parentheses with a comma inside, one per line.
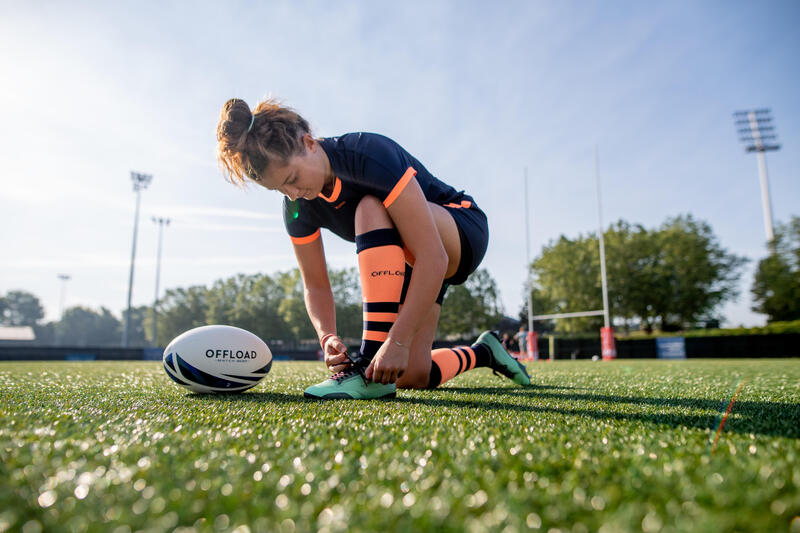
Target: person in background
(522,339)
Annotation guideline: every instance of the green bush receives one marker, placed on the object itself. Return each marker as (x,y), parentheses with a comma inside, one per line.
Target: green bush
(773,328)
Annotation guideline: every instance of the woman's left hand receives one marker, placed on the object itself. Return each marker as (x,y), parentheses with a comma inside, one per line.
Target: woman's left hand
(389,363)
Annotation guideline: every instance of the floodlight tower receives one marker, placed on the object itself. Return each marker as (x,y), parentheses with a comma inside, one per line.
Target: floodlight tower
(754,128)
(161,223)
(64,279)
(140,181)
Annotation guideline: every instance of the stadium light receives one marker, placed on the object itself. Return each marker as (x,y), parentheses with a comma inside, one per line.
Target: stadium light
(755,131)
(161,223)
(64,279)
(140,181)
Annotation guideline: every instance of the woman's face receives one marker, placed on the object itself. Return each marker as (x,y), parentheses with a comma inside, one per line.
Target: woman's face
(304,175)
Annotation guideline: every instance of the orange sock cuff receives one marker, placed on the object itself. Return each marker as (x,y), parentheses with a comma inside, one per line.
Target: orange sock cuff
(451,362)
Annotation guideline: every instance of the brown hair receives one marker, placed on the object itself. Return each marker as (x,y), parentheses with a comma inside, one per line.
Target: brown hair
(244,152)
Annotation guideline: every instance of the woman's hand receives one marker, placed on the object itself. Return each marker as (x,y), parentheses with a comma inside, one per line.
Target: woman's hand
(389,363)
(335,354)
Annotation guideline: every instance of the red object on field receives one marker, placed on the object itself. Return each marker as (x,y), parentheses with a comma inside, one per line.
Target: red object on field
(533,345)
(607,343)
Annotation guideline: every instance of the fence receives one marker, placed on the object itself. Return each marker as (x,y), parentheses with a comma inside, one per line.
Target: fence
(87,353)
(733,346)
(754,346)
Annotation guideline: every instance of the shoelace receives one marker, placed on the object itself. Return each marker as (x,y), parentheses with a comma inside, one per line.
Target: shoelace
(355,367)
(346,373)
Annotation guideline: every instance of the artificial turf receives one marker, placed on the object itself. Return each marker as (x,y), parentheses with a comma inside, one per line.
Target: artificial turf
(592,446)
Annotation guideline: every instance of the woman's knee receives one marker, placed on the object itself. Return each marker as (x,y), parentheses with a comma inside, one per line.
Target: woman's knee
(371,214)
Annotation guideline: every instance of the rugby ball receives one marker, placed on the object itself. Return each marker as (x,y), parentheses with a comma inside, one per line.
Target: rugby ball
(217,359)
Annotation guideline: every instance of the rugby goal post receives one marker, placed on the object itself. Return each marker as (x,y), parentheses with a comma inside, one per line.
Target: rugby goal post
(607,344)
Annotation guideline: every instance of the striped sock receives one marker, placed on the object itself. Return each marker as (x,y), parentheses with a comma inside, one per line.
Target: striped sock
(447,363)
(381,265)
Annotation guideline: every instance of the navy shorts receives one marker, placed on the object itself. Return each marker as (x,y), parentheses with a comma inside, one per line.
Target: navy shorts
(473,231)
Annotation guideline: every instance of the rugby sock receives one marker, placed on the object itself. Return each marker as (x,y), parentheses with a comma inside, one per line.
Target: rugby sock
(381,265)
(447,363)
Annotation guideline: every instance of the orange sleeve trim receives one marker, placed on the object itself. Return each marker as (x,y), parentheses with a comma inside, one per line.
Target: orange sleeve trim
(400,187)
(466,204)
(307,239)
(337,188)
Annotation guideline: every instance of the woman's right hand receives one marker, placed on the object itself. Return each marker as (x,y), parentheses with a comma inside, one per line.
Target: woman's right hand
(335,354)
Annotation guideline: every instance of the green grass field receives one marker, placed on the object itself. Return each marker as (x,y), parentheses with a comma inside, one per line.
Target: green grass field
(621,446)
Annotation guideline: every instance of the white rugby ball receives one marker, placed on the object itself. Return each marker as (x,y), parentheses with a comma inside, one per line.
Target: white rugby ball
(217,359)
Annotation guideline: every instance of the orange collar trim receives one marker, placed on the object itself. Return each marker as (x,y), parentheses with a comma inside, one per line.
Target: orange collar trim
(337,188)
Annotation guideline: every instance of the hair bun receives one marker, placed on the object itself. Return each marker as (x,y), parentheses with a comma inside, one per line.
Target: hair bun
(234,123)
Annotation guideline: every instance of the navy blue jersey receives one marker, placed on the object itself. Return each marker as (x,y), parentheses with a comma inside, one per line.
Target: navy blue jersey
(365,164)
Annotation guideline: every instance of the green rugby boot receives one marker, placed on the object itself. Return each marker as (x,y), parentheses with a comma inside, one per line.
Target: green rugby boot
(350,384)
(501,361)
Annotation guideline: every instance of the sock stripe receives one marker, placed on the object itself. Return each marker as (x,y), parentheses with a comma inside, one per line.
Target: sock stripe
(460,360)
(377,326)
(380,317)
(482,355)
(471,354)
(435,378)
(378,237)
(377,336)
(381,307)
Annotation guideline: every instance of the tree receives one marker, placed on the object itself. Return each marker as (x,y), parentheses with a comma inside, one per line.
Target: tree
(632,261)
(540,305)
(21,308)
(45,333)
(292,308)
(271,307)
(250,302)
(469,308)
(669,276)
(180,310)
(346,288)
(776,286)
(696,273)
(81,326)
(139,334)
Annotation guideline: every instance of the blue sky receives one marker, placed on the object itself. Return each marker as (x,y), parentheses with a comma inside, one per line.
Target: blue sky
(477,92)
